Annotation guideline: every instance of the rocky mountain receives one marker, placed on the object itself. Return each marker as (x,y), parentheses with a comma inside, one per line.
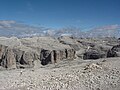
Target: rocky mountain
(63,63)
(106,31)
(24,52)
(13,28)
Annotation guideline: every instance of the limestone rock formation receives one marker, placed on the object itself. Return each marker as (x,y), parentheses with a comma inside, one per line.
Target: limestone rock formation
(91,54)
(46,57)
(10,59)
(24,52)
(7,58)
(70,41)
(54,56)
(114,51)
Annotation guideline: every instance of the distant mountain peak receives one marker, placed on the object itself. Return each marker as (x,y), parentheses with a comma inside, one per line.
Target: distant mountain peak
(105,31)
(108,27)
(10,28)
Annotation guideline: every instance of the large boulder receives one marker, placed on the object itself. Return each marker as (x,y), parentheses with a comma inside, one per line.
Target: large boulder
(114,51)
(91,54)
(95,52)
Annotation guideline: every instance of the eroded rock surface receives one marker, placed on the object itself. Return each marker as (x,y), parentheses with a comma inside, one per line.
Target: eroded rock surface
(114,51)
(22,53)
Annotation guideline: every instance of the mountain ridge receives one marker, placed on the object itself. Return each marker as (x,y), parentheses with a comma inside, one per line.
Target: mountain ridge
(10,28)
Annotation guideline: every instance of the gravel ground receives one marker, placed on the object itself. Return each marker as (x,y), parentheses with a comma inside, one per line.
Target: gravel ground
(102,74)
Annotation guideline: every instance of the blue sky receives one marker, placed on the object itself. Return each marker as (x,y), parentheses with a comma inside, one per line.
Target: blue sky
(85,14)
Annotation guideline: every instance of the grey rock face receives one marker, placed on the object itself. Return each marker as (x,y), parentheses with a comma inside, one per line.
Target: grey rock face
(71,42)
(91,54)
(114,52)
(54,56)
(18,54)
(2,51)
(27,51)
(7,58)
(10,59)
(46,57)
(96,52)
(70,54)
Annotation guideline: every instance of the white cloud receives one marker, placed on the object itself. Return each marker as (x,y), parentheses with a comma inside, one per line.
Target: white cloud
(9,28)
(6,23)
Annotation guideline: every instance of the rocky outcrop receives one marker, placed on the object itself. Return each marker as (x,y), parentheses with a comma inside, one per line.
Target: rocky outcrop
(114,51)
(2,51)
(45,57)
(25,59)
(54,56)
(28,51)
(91,54)
(95,52)
(7,59)
(10,59)
(73,43)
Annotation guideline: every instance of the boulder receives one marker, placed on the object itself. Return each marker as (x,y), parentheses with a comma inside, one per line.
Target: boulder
(91,54)
(114,51)
(95,52)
